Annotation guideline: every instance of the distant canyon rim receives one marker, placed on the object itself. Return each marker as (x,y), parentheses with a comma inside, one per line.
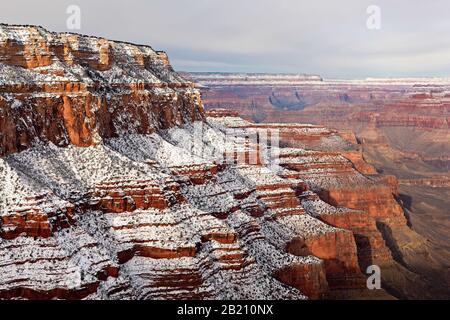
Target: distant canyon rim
(402,125)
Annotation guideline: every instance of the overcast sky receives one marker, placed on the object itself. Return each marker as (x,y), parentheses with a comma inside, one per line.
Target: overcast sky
(329,38)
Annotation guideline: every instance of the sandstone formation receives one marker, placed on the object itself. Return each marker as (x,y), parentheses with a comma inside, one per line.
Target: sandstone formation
(73,89)
(125,219)
(402,129)
(115,184)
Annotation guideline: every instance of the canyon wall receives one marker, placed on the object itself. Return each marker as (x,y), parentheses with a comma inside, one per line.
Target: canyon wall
(402,130)
(73,89)
(115,184)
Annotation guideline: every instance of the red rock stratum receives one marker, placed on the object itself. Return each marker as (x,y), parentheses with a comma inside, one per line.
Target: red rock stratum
(115,184)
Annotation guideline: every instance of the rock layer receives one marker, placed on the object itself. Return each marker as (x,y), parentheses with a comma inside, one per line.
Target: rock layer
(402,129)
(73,89)
(115,185)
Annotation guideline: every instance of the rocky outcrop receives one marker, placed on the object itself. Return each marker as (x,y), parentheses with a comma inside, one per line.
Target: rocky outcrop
(73,89)
(401,127)
(116,186)
(244,231)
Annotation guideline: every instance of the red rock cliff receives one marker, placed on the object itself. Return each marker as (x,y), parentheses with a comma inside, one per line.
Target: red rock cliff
(75,89)
(129,201)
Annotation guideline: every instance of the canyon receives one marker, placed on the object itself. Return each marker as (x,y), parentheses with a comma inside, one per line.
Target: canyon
(116,183)
(401,124)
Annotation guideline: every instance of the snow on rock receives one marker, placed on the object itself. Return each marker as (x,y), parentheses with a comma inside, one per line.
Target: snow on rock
(151,231)
(114,185)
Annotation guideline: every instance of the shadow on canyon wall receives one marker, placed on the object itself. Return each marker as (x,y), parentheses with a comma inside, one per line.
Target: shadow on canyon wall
(404,130)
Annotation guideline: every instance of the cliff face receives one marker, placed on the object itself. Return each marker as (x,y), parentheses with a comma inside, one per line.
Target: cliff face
(74,89)
(166,215)
(418,103)
(115,184)
(402,130)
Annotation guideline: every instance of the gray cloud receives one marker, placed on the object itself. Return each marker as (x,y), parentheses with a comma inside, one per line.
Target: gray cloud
(325,37)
